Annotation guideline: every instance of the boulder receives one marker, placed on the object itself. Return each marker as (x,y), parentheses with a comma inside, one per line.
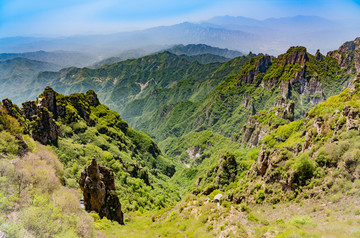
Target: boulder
(218,197)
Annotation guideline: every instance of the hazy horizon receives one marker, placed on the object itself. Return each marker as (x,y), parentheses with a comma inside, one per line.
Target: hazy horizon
(40,18)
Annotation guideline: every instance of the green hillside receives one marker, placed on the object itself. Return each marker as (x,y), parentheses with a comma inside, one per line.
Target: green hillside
(200,49)
(191,89)
(296,75)
(75,128)
(302,179)
(258,146)
(118,83)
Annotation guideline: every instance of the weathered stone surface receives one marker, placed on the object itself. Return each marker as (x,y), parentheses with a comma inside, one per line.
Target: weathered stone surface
(285,110)
(98,186)
(262,162)
(48,100)
(92,98)
(254,132)
(307,143)
(2,235)
(218,197)
(348,55)
(318,55)
(260,66)
(11,108)
(314,87)
(295,55)
(43,127)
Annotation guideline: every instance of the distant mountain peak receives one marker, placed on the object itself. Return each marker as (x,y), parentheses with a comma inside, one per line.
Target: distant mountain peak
(200,49)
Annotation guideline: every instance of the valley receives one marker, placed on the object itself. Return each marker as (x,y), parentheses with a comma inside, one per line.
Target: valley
(196,141)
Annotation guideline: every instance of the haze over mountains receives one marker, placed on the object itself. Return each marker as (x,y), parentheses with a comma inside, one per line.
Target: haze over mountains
(272,36)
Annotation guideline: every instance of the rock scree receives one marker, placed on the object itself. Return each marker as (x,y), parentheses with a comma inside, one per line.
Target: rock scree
(98,186)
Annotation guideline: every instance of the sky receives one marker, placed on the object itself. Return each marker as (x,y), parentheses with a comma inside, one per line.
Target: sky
(79,17)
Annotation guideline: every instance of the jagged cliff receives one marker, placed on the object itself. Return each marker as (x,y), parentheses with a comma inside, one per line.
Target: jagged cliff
(348,56)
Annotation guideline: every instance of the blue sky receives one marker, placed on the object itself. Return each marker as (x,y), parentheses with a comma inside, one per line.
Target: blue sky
(69,17)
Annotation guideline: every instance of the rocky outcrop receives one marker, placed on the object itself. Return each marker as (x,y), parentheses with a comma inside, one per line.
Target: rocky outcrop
(254,131)
(57,105)
(50,106)
(348,55)
(43,125)
(227,169)
(223,173)
(288,78)
(289,73)
(348,118)
(48,100)
(255,67)
(263,162)
(266,166)
(92,98)
(318,55)
(294,55)
(248,103)
(315,91)
(285,110)
(194,152)
(98,186)
(12,109)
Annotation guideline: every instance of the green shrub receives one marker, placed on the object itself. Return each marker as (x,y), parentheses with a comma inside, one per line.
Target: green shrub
(260,196)
(203,218)
(303,168)
(302,220)
(8,144)
(253,218)
(244,208)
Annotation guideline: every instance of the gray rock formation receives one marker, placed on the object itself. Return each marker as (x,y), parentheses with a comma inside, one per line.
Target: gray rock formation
(98,186)
(254,131)
(260,65)
(43,125)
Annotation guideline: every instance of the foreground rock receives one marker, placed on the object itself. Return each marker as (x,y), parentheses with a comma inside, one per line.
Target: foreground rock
(97,184)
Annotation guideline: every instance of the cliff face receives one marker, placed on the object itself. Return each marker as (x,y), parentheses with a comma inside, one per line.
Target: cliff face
(348,56)
(98,186)
(262,124)
(42,123)
(253,68)
(288,72)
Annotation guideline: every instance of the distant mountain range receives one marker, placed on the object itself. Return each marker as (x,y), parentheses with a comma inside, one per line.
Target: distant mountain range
(272,36)
(60,58)
(196,52)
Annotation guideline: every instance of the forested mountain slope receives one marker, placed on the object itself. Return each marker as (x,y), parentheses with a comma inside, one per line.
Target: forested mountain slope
(296,75)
